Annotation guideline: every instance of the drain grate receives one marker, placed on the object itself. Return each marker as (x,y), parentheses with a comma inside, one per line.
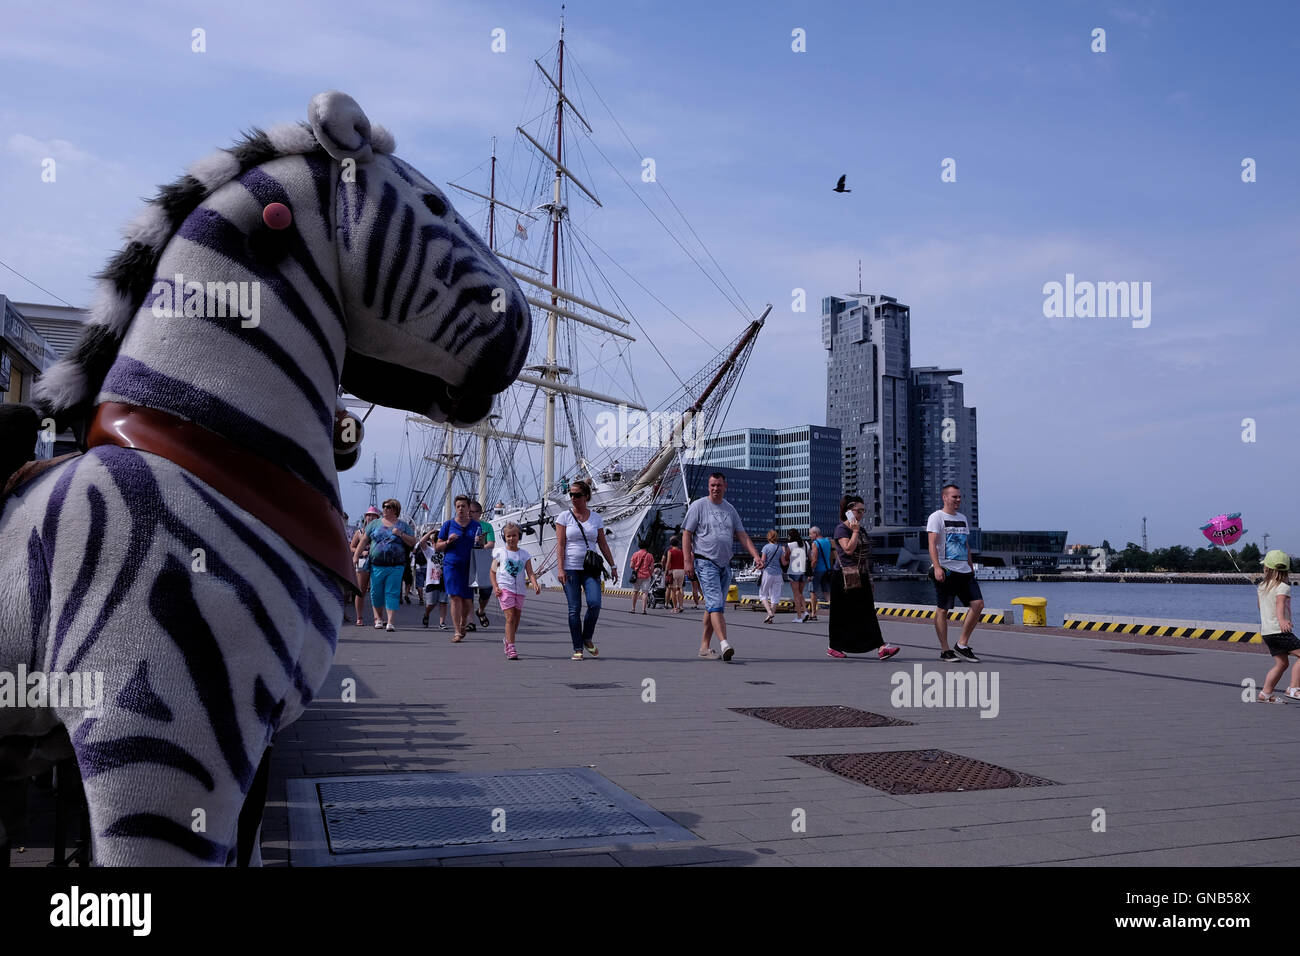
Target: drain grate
(821,718)
(594,686)
(922,771)
(1144,651)
(386,817)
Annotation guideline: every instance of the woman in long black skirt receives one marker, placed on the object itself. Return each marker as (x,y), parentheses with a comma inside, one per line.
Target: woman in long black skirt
(853,626)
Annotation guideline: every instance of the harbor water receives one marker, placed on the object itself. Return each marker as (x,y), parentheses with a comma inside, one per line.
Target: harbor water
(1199,602)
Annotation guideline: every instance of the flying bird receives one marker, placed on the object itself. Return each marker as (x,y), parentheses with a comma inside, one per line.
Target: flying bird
(839,187)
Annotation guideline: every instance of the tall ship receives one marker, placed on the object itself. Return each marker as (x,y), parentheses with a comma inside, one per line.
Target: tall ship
(576,410)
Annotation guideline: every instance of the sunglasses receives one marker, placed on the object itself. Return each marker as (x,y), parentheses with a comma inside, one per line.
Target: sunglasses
(576,494)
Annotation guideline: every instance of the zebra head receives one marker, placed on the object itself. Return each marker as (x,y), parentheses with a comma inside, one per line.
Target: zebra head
(436,324)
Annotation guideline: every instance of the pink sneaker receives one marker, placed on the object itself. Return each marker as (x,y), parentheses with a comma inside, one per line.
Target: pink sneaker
(510,653)
(886,652)
(832,652)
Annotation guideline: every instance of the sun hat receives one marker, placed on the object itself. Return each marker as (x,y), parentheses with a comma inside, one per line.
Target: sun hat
(1278,560)
(372,510)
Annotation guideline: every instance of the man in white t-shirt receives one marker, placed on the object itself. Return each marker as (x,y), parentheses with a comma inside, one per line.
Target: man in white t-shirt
(954,579)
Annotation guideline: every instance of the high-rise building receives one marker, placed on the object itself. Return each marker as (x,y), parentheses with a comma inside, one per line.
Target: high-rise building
(943,443)
(804,461)
(868,340)
(906,432)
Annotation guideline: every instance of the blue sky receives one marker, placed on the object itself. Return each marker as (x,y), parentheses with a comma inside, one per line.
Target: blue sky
(1115,166)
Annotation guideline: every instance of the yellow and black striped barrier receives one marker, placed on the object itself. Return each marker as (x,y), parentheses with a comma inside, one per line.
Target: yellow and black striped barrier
(1209,631)
(990,615)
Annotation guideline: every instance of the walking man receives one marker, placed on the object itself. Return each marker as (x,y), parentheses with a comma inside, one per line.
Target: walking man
(710,527)
(819,551)
(949,534)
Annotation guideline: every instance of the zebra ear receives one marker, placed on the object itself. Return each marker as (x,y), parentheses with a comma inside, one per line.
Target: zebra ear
(341,126)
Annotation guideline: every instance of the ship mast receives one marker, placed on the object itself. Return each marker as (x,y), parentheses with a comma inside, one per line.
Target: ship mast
(553,317)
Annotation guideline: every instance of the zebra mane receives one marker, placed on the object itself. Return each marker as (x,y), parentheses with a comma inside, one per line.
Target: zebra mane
(66,389)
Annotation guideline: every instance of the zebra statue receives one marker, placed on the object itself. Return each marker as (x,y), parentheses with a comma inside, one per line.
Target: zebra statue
(206,596)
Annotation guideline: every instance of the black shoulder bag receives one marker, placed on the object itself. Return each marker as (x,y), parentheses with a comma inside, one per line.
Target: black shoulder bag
(593,563)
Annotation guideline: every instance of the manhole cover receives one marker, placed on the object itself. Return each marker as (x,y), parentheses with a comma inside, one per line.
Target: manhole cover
(386,817)
(819,718)
(594,686)
(922,771)
(1144,651)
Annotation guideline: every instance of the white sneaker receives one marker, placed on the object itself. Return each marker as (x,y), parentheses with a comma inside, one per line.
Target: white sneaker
(800,618)
(727,650)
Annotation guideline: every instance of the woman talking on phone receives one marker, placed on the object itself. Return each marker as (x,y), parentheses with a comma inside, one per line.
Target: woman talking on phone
(854,628)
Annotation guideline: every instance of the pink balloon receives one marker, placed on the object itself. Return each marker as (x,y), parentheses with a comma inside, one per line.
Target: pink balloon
(1224,529)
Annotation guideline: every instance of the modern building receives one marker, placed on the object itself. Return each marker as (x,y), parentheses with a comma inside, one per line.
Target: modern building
(905,432)
(868,366)
(24,353)
(32,329)
(805,463)
(751,491)
(60,325)
(943,443)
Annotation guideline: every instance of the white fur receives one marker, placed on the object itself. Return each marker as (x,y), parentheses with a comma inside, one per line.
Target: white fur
(215,169)
(151,226)
(382,140)
(111,308)
(62,385)
(291,138)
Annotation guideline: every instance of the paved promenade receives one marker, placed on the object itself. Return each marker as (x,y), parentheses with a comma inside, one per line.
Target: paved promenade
(1185,771)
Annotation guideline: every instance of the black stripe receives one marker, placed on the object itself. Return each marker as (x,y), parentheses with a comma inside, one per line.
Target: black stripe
(299,594)
(97,758)
(399,262)
(171,600)
(211,230)
(139,697)
(267,189)
(375,254)
(154,827)
(426,233)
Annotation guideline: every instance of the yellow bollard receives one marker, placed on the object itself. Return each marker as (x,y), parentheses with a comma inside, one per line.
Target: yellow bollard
(1035,611)
(733,595)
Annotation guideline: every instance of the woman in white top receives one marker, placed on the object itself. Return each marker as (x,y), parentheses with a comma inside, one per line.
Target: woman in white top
(577,532)
(798,569)
(775,557)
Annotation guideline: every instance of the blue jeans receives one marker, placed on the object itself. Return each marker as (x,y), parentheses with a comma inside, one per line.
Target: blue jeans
(575,583)
(713,582)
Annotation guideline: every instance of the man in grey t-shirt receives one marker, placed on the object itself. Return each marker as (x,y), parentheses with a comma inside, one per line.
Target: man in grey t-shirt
(711,525)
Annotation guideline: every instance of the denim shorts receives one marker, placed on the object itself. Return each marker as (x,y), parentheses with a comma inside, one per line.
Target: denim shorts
(713,582)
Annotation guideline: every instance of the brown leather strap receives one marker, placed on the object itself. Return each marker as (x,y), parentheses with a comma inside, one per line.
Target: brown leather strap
(283,502)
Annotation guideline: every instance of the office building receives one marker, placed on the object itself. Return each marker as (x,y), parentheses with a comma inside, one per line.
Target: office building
(805,463)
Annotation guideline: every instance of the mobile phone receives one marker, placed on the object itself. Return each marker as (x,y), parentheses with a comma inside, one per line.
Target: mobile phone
(848,517)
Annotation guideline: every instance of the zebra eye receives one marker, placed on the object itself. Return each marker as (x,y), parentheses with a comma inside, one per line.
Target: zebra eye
(436,205)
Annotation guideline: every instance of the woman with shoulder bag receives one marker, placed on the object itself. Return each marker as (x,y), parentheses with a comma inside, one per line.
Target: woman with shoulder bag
(579,566)
(854,628)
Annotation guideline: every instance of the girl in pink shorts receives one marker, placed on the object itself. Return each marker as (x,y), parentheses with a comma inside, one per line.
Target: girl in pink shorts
(511,573)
